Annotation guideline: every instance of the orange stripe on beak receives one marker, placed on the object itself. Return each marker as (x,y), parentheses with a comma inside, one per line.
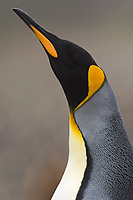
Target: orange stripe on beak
(46,43)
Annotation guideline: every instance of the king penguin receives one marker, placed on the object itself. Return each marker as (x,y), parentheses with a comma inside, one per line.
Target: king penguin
(100,161)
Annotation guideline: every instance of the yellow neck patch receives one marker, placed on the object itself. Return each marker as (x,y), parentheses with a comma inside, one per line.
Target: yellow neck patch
(74,126)
(95,80)
(46,43)
(71,181)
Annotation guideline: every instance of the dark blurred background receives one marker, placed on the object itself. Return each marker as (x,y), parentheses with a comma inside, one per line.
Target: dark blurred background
(33,108)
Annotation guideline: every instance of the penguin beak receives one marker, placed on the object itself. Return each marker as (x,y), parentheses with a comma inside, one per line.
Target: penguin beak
(42,34)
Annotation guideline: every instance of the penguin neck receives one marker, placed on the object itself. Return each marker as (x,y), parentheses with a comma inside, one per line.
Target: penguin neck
(107,146)
(96,113)
(77,161)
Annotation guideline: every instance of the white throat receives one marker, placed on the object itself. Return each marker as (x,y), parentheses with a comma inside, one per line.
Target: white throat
(70,183)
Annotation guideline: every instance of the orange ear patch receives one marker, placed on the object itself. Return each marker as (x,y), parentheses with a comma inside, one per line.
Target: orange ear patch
(95,80)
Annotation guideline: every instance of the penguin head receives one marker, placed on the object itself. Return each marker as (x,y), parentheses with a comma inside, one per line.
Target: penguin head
(71,68)
(74,67)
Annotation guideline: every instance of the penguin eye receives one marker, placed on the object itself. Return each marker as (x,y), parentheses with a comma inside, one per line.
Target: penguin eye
(74,53)
(77,55)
